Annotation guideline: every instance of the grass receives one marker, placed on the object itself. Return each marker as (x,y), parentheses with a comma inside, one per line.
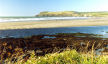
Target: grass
(66,57)
(72,14)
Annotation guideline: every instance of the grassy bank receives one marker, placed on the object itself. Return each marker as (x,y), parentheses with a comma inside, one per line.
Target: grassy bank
(66,57)
(72,14)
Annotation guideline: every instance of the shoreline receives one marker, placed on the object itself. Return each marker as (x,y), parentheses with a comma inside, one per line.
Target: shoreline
(54,23)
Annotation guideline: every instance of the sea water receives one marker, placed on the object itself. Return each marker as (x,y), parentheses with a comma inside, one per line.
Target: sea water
(101,30)
(18,19)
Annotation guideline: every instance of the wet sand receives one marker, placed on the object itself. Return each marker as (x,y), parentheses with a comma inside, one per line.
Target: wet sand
(54,23)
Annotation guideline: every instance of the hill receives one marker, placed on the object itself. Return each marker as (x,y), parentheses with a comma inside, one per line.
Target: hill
(72,14)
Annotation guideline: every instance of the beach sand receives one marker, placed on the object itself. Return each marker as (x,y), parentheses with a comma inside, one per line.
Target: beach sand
(54,23)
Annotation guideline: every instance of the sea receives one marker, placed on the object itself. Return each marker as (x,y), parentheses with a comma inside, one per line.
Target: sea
(18,19)
(17,33)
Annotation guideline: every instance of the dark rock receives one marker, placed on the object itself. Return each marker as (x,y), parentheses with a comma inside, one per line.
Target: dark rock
(19,46)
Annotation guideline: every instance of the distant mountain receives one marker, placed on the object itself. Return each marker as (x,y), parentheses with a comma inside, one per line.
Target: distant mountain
(72,14)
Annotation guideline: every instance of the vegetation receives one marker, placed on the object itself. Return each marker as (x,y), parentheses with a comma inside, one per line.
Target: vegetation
(72,13)
(37,50)
(66,57)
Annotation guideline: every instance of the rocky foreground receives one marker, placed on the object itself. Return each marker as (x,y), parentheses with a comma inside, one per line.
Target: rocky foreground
(43,44)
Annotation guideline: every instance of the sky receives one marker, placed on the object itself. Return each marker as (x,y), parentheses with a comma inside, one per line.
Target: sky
(33,7)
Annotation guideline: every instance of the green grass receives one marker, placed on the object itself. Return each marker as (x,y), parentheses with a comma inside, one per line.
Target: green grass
(66,57)
(72,13)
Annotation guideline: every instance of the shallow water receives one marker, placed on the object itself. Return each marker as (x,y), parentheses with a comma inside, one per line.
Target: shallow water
(101,30)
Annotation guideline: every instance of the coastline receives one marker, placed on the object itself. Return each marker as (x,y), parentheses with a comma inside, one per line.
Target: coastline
(22,48)
(54,23)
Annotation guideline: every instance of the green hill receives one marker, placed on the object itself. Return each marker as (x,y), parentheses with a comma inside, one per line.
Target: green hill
(72,14)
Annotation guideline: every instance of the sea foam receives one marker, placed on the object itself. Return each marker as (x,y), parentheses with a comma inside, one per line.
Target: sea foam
(39,19)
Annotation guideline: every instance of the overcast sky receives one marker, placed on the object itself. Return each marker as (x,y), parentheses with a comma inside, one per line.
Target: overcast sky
(32,7)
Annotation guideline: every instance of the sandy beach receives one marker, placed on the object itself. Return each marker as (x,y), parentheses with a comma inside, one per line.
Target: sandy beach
(54,23)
